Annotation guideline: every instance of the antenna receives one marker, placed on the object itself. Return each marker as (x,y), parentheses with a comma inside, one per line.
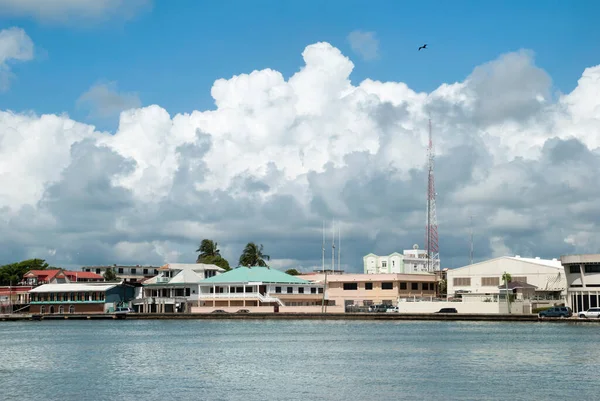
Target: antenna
(471,251)
(339,249)
(332,245)
(323,247)
(431,227)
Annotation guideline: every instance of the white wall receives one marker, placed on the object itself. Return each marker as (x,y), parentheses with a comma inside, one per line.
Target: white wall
(544,277)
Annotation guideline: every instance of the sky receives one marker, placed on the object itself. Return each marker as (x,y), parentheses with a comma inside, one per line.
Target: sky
(131,130)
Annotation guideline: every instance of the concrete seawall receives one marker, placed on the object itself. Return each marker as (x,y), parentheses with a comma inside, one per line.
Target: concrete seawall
(302,316)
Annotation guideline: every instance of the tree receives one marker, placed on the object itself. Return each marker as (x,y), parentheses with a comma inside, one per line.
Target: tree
(110,275)
(13,272)
(506,278)
(207,248)
(215,260)
(442,286)
(253,256)
(292,272)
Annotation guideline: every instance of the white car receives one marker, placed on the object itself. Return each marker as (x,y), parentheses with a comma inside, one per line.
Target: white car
(590,313)
(393,309)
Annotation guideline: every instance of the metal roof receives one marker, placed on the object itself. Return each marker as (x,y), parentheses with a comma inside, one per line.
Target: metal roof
(243,274)
(74,287)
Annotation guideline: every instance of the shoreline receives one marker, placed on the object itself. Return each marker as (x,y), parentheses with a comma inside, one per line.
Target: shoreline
(299,316)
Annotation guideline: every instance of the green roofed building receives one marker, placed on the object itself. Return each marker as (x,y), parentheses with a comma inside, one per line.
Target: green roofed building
(258,287)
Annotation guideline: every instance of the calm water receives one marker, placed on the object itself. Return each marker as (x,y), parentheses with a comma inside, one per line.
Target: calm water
(301,360)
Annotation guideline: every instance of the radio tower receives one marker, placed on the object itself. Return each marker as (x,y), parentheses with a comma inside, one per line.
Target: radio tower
(431,228)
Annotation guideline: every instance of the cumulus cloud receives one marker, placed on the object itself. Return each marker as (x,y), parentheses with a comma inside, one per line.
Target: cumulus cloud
(103,100)
(60,11)
(365,44)
(277,157)
(15,45)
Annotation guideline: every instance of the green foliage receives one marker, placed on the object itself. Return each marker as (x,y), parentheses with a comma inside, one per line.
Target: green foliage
(110,275)
(442,286)
(292,272)
(13,272)
(253,256)
(506,277)
(215,260)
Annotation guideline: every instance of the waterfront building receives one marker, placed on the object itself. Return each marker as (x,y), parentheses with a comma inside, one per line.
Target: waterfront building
(583,281)
(373,289)
(540,279)
(259,288)
(410,261)
(57,276)
(174,288)
(132,274)
(14,298)
(79,297)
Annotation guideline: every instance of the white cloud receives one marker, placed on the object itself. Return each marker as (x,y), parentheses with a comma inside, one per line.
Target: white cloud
(15,45)
(365,44)
(277,157)
(104,100)
(60,11)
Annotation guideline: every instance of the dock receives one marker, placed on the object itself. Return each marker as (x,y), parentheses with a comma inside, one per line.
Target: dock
(300,316)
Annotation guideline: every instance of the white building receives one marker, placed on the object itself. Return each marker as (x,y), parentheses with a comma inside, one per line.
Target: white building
(130,274)
(583,281)
(411,261)
(484,278)
(175,288)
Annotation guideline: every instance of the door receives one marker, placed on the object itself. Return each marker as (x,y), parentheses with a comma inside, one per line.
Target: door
(262,289)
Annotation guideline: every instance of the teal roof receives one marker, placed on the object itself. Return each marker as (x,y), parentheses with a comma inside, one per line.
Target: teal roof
(243,274)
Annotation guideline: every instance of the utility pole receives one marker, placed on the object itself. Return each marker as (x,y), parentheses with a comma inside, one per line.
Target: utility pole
(471,251)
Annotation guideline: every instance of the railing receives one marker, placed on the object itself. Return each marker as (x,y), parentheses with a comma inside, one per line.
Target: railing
(241,295)
(162,279)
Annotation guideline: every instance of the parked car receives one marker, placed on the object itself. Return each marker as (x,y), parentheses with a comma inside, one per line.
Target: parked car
(243,311)
(447,310)
(556,311)
(590,313)
(218,311)
(123,310)
(392,309)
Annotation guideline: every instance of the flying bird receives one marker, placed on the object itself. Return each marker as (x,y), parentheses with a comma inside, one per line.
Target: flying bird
(423,47)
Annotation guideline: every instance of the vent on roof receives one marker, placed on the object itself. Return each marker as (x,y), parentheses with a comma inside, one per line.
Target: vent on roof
(517,256)
(537,257)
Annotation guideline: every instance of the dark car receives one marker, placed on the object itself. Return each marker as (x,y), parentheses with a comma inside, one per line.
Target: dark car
(218,311)
(447,310)
(243,311)
(556,311)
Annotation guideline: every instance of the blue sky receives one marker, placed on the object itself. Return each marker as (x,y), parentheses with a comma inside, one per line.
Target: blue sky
(172,53)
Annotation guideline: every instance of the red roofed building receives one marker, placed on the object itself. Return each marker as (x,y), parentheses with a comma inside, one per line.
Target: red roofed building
(57,276)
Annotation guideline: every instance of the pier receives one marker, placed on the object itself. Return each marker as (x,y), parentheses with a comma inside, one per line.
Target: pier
(299,316)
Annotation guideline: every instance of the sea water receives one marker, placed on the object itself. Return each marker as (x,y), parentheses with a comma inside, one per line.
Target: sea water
(249,360)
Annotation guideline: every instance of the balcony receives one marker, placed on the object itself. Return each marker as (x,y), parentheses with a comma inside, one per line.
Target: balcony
(162,280)
(240,295)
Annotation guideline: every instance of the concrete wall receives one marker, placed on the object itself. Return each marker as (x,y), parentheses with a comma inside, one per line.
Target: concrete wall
(270,309)
(461,307)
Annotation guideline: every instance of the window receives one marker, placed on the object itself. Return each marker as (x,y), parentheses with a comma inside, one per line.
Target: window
(387,286)
(89,270)
(368,286)
(300,290)
(133,271)
(574,269)
(155,272)
(414,286)
(290,290)
(321,291)
(187,292)
(120,270)
(393,263)
(384,264)
(97,271)
(461,281)
(350,286)
(145,271)
(490,281)
(592,268)
(403,286)
(278,290)
(71,309)
(313,290)
(520,279)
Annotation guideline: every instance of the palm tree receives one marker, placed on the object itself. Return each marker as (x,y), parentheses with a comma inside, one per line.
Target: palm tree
(253,256)
(208,249)
(506,277)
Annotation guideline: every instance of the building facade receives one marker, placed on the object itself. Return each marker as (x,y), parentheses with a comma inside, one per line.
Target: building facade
(374,289)
(133,274)
(410,261)
(57,276)
(255,287)
(583,281)
(175,288)
(484,278)
(66,298)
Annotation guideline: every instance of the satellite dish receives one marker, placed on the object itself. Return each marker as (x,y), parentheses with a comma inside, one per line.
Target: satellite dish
(415,246)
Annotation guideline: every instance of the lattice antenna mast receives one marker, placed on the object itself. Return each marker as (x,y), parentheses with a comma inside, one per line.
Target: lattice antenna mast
(323,247)
(333,245)
(431,230)
(471,240)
